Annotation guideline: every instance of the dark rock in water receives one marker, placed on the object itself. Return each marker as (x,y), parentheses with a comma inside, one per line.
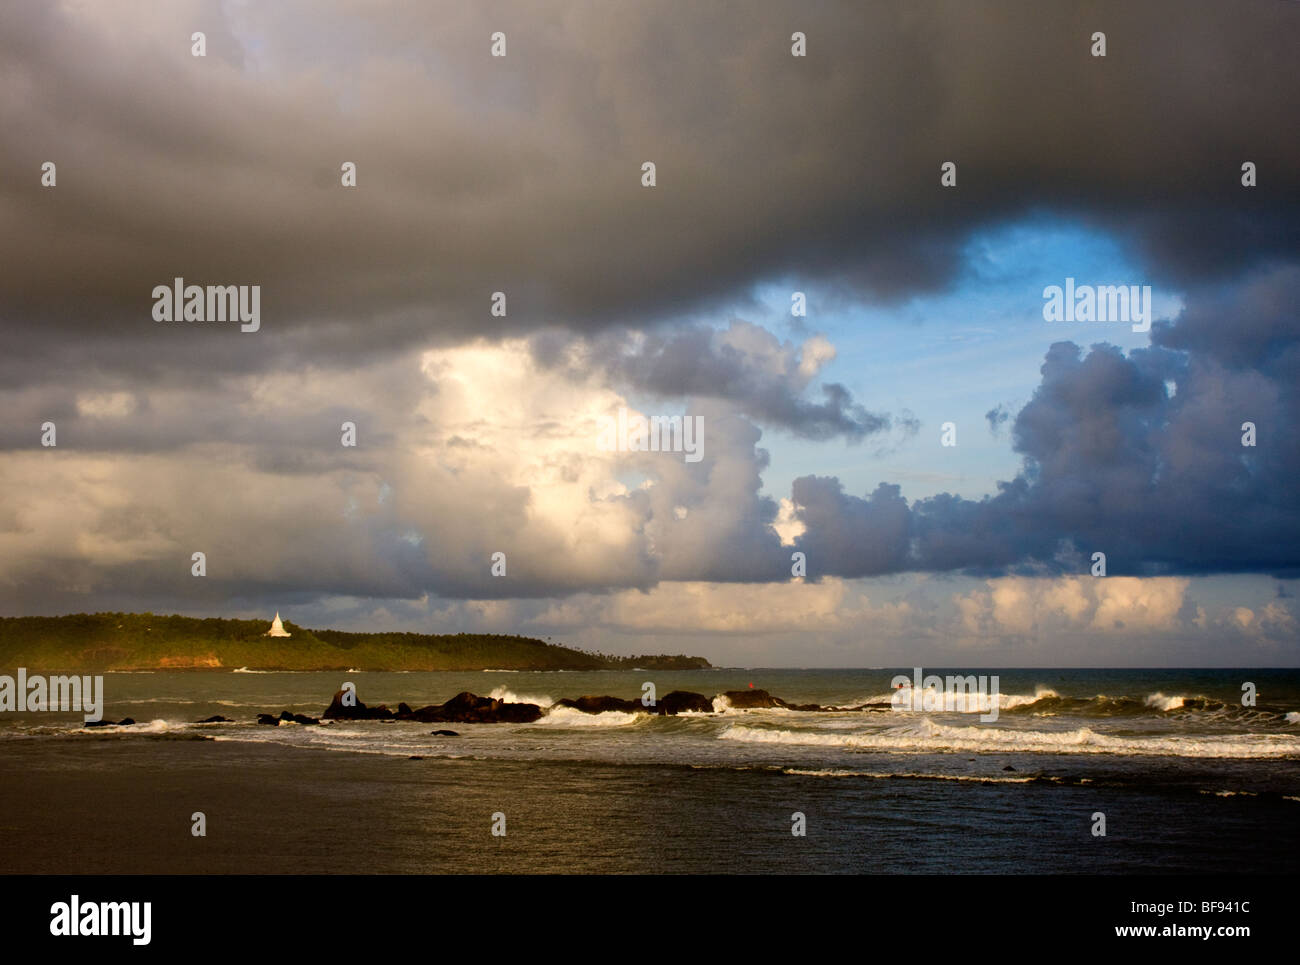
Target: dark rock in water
(683,700)
(268,721)
(297,718)
(337,711)
(444,733)
(470,708)
(601,705)
(215,719)
(761,700)
(1008,768)
(467,708)
(753,699)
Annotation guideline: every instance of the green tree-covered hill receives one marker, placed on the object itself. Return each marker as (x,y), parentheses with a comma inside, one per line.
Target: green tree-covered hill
(147,641)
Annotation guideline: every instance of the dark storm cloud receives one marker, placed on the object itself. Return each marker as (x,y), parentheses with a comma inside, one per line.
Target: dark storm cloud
(848,536)
(767,379)
(1136,456)
(522,174)
(1257,326)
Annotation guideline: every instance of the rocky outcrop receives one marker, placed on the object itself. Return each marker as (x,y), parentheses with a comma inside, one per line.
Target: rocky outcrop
(680,701)
(762,700)
(297,718)
(601,705)
(337,710)
(464,708)
(467,708)
(752,699)
(270,720)
(675,702)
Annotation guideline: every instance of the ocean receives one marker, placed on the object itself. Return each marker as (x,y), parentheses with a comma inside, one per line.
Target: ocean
(1186,778)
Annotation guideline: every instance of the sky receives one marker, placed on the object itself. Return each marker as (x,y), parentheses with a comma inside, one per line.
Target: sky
(823,433)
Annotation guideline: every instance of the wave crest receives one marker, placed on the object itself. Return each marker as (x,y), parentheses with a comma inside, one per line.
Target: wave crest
(926,736)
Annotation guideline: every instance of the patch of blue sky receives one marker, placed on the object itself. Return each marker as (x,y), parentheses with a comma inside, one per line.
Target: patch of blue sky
(951,356)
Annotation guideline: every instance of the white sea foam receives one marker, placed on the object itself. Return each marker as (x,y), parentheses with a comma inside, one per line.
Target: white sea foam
(572,717)
(1160,702)
(162,700)
(722,705)
(958,701)
(156,726)
(510,697)
(314,735)
(882,775)
(874,700)
(927,736)
(1019,700)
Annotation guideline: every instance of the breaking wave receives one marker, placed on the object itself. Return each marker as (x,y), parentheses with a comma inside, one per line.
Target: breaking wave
(958,701)
(571,717)
(510,697)
(1047,703)
(157,726)
(886,775)
(927,736)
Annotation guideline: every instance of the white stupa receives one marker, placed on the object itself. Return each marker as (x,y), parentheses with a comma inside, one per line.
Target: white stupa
(277,628)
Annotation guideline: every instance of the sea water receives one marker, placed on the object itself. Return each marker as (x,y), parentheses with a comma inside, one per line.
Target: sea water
(1189,777)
